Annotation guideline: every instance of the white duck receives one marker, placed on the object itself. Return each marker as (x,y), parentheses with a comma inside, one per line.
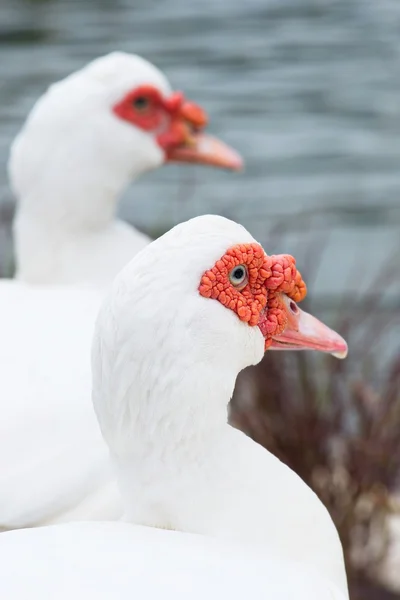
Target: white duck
(83,142)
(181,320)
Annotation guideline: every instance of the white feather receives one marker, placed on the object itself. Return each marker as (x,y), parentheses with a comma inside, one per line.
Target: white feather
(164,365)
(105,561)
(51,452)
(68,167)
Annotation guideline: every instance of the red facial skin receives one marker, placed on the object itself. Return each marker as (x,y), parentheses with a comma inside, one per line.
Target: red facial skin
(177,126)
(258,300)
(172,120)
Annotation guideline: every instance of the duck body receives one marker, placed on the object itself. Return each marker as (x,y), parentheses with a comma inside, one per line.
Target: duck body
(50,443)
(165,360)
(219,491)
(103,561)
(178,324)
(230,488)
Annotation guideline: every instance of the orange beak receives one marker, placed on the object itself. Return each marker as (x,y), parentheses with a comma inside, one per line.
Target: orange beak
(186,141)
(204,149)
(305,332)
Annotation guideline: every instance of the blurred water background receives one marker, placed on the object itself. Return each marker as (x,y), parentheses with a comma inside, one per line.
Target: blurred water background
(307,90)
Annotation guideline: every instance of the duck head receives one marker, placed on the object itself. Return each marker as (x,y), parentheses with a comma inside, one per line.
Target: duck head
(189,312)
(118,117)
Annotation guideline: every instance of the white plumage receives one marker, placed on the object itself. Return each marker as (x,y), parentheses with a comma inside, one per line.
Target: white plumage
(164,363)
(105,561)
(69,164)
(52,455)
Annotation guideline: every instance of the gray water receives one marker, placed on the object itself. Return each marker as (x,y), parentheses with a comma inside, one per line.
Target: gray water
(307,90)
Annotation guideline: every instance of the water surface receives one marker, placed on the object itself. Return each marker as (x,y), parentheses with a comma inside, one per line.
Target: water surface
(307,90)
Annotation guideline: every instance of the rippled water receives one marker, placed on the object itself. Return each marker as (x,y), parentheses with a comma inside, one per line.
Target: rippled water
(307,90)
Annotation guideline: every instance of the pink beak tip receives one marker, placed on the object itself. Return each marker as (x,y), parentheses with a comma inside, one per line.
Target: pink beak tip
(342,351)
(237,162)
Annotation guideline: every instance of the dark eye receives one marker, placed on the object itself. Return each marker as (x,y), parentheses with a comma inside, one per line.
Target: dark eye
(238,275)
(141,103)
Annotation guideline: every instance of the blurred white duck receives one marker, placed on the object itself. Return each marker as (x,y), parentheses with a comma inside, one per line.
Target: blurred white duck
(84,141)
(181,320)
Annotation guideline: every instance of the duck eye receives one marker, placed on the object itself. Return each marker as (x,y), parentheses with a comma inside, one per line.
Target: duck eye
(141,103)
(238,275)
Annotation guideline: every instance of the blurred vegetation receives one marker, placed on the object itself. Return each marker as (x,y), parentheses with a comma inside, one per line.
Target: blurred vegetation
(337,423)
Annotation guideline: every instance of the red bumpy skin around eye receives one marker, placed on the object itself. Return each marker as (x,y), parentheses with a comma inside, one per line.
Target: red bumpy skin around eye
(259,302)
(172,119)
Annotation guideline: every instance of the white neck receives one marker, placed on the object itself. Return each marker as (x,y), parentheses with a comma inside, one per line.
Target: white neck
(68,171)
(178,404)
(66,231)
(162,419)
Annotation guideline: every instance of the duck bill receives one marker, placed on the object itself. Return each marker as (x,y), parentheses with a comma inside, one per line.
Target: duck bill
(305,332)
(206,150)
